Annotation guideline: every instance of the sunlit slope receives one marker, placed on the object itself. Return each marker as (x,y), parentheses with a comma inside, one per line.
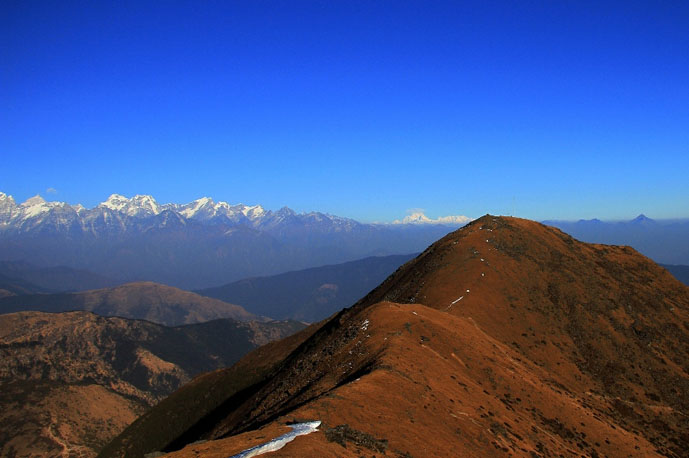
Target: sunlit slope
(506,336)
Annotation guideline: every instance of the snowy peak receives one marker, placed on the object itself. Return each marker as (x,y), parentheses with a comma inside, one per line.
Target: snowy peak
(206,209)
(253,212)
(115,202)
(33,201)
(8,207)
(7,201)
(204,206)
(137,205)
(144,203)
(36,206)
(418,217)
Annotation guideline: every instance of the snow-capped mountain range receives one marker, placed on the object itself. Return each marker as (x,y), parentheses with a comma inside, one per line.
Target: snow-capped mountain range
(199,244)
(119,212)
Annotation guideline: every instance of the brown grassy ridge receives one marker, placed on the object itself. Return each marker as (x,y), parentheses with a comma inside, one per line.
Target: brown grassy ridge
(556,347)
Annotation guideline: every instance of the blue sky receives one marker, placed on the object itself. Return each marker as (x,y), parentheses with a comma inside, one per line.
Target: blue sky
(358,108)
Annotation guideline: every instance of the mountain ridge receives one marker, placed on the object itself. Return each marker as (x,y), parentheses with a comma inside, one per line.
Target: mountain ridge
(663,240)
(506,336)
(311,294)
(204,209)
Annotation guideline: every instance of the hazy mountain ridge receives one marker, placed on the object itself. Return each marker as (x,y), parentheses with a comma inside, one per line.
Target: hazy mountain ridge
(665,241)
(311,294)
(195,245)
(71,381)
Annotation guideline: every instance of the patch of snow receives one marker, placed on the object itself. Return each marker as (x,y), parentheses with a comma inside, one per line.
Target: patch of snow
(457,300)
(299,429)
(364,325)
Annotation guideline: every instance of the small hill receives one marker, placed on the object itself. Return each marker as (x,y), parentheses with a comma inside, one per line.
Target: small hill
(144,300)
(312,294)
(70,382)
(506,337)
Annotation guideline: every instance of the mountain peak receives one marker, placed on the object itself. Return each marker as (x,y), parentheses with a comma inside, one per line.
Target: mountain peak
(7,199)
(419,217)
(642,219)
(115,202)
(138,204)
(146,202)
(253,212)
(35,200)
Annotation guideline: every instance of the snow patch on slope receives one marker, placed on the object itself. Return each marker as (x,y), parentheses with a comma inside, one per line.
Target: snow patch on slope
(298,429)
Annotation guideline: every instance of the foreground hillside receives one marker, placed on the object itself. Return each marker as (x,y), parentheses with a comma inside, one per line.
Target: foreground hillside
(506,337)
(144,300)
(69,382)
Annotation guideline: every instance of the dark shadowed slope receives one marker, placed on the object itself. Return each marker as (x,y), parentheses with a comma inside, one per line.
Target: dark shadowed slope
(311,294)
(150,301)
(504,337)
(69,382)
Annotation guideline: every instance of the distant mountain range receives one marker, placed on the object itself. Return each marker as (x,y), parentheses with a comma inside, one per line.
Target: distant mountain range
(664,241)
(195,245)
(312,294)
(70,382)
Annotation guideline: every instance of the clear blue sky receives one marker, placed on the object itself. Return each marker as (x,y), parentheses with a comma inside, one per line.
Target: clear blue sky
(559,109)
